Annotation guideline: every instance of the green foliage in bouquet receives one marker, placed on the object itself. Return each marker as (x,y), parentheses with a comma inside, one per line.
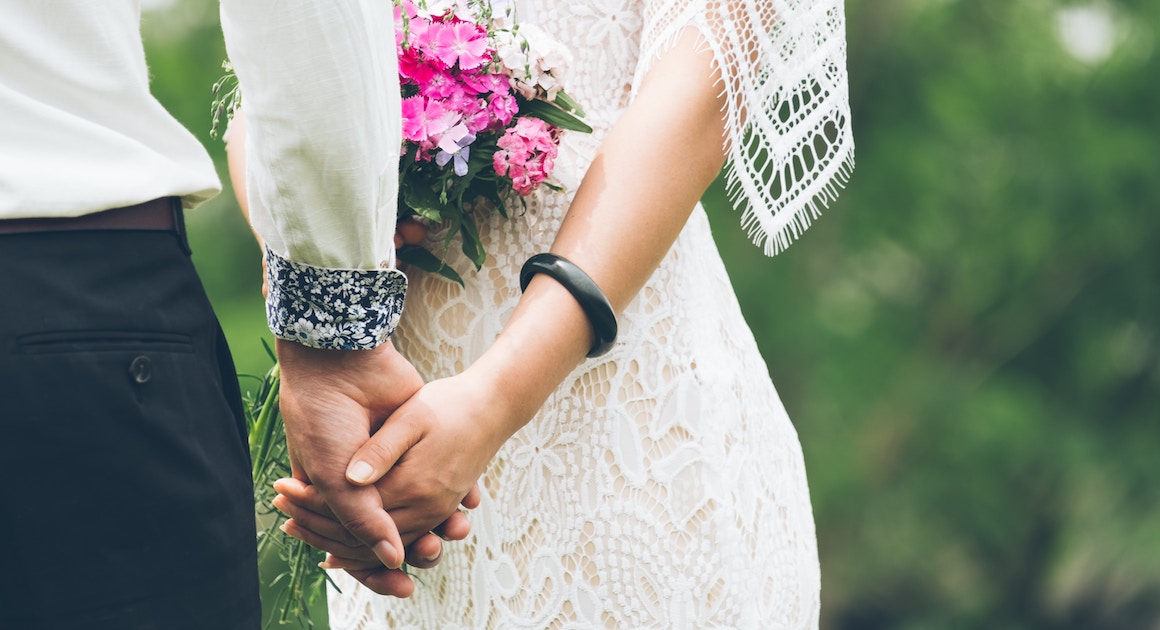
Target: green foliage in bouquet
(227,98)
(438,196)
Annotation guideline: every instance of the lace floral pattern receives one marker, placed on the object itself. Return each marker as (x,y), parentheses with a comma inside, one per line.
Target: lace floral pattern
(333,309)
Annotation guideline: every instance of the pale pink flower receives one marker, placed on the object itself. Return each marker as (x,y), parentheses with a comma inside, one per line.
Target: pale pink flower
(462,43)
(527,154)
(514,143)
(417,28)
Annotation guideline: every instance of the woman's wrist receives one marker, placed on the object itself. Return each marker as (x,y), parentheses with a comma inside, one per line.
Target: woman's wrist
(547,336)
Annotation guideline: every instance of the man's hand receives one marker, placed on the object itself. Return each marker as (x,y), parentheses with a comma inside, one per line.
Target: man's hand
(332,401)
(312,521)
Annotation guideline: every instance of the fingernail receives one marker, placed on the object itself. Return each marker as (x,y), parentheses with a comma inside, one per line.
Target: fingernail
(386,554)
(360,472)
(285,527)
(433,557)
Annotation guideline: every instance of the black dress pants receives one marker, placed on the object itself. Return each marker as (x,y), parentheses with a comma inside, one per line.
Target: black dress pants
(125,494)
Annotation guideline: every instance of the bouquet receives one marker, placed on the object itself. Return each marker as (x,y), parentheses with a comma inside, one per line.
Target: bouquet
(483,111)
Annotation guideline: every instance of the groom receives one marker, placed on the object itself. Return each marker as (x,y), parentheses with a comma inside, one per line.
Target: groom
(128,501)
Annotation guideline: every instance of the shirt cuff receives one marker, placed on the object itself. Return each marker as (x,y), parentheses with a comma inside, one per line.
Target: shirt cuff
(333,309)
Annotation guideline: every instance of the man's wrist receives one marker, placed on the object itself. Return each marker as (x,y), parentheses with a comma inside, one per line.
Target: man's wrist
(332,309)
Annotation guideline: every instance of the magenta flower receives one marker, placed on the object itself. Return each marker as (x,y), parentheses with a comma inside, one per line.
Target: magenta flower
(441,85)
(460,43)
(413,67)
(478,118)
(484,83)
(424,119)
(503,108)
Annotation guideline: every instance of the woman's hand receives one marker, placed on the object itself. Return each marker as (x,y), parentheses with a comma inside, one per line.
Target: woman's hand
(428,455)
(424,462)
(408,231)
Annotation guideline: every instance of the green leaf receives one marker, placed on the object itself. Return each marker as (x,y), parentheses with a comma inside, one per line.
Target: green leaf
(422,200)
(553,115)
(472,248)
(425,260)
(567,103)
(488,189)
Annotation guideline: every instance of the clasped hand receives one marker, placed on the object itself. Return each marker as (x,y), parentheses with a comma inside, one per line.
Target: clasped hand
(373,492)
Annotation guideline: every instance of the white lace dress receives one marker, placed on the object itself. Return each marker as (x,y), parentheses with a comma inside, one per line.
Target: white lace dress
(662,485)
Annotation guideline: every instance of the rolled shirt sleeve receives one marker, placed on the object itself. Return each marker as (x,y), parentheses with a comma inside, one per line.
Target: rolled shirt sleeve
(321,97)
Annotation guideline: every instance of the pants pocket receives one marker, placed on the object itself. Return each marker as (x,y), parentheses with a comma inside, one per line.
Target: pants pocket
(123,470)
(102,341)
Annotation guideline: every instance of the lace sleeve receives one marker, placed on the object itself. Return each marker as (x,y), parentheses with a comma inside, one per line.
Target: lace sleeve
(783,69)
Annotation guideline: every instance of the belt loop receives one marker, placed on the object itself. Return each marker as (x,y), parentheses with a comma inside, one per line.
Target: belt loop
(179,223)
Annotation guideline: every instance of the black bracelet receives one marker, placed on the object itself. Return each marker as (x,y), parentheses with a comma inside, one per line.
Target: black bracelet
(590,297)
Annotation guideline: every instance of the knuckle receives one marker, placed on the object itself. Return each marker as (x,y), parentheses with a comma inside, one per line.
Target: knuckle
(377,453)
(360,526)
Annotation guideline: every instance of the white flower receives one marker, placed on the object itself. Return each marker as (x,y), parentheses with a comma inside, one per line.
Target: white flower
(435,8)
(513,57)
(550,85)
(536,61)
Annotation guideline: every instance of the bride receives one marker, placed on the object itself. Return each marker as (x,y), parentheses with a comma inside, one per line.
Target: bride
(661,484)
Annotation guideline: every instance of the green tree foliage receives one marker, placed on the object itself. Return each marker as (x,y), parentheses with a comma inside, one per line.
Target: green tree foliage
(967,340)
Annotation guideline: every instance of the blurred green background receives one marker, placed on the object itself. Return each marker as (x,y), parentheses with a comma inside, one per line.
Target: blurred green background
(967,340)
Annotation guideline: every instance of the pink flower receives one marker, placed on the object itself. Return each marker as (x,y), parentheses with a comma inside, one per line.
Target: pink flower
(479,120)
(413,31)
(539,135)
(405,6)
(527,154)
(501,162)
(514,143)
(424,119)
(484,83)
(460,42)
(503,108)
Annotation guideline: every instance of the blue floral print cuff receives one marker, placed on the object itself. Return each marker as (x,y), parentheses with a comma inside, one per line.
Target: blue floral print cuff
(333,309)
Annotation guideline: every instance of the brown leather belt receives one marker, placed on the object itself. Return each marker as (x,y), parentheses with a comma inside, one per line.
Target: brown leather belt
(162,214)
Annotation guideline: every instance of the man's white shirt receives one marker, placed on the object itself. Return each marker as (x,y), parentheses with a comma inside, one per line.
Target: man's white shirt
(80,133)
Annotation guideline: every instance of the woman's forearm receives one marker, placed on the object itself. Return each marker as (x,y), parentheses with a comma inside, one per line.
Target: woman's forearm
(633,203)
